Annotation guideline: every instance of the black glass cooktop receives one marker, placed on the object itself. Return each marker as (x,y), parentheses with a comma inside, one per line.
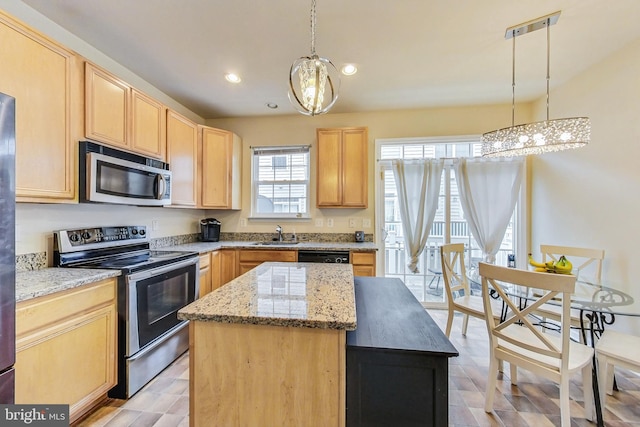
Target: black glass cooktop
(138,261)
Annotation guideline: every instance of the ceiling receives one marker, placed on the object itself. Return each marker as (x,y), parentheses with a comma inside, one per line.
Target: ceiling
(409,53)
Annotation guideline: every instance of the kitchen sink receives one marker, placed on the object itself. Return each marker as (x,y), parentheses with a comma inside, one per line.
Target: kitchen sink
(275,243)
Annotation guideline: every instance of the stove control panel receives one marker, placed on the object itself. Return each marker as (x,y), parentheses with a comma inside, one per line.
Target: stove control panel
(102,235)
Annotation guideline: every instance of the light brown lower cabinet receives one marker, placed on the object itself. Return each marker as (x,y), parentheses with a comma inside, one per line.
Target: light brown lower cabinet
(66,347)
(256,375)
(222,266)
(248,259)
(364,263)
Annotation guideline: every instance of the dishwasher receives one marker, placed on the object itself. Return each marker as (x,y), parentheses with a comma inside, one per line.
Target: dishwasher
(330,257)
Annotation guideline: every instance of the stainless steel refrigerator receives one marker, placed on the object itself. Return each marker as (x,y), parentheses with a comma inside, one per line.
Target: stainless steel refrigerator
(7,248)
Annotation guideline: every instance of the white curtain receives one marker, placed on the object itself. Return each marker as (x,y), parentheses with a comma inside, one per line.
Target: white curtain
(418,186)
(489,190)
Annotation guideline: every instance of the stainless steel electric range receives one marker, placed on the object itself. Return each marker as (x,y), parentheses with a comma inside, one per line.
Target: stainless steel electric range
(153,286)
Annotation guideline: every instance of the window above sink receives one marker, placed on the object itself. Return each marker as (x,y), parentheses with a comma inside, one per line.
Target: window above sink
(280,182)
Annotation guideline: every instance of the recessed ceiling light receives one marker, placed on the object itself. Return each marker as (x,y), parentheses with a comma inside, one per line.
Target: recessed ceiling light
(272,105)
(349,70)
(233,78)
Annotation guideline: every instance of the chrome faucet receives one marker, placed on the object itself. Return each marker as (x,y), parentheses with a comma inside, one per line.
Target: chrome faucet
(279,231)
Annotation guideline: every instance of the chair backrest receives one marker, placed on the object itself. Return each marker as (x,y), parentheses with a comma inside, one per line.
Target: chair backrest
(454,271)
(587,262)
(516,337)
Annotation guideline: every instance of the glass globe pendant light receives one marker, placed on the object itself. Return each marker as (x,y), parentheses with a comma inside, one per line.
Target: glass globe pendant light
(539,137)
(313,81)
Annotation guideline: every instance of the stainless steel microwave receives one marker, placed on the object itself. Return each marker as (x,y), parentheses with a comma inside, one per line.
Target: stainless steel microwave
(108,175)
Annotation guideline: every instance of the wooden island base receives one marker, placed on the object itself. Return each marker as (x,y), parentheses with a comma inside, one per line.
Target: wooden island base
(260,375)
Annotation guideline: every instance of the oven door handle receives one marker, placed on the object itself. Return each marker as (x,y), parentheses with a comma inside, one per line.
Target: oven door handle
(136,277)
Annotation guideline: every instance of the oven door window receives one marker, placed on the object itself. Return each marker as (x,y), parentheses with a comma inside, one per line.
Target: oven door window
(159,299)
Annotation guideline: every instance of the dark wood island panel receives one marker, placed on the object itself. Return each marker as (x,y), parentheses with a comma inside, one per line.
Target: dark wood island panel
(397,359)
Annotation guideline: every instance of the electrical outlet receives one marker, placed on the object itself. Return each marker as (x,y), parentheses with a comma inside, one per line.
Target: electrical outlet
(366,223)
(243,222)
(319,222)
(155,225)
(329,222)
(352,223)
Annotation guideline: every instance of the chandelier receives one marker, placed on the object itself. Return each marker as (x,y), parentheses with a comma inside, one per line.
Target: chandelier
(313,81)
(539,137)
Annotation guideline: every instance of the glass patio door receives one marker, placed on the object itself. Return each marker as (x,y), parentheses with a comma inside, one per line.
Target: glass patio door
(449,225)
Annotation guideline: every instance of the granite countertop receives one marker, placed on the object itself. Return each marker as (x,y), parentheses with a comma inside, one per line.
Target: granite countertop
(204,247)
(46,281)
(303,295)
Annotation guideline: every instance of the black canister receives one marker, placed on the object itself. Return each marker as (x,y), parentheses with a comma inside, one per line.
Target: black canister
(209,230)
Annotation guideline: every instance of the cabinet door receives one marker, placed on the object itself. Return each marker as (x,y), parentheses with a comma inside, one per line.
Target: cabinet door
(228,266)
(205,275)
(354,168)
(342,172)
(223,267)
(329,169)
(148,126)
(46,81)
(72,362)
(221,156)
(216,269)
(182,155)
(106,107)
(67,338)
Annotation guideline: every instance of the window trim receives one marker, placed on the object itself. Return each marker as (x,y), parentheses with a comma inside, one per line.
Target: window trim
(280,150)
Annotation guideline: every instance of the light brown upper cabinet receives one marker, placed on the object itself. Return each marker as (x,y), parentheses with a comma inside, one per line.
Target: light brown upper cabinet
(121,116)
(221,157)
(148,125)
(342,172)
(46,81)
(182,156)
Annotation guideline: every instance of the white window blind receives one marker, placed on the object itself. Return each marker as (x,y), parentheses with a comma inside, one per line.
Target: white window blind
(280,177)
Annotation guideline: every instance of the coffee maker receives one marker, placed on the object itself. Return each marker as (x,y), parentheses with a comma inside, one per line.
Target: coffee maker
(209,230)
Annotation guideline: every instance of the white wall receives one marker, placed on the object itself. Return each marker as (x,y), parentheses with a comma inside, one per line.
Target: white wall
(589,197)
(35,223)
(299,129)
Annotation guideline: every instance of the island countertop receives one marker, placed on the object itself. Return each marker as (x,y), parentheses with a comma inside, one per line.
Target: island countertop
(305,295)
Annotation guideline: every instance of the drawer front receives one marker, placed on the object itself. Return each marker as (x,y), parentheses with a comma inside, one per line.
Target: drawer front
(262,256)
(40,312)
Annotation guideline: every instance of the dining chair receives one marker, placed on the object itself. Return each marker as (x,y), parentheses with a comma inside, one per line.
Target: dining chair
(456,283)
(615,349)
(519,342)
(587,266)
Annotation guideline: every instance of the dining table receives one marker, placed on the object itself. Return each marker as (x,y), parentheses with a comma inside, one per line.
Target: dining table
(597,304)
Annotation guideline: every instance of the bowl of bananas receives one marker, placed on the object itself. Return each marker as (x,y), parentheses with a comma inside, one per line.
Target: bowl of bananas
(560,266)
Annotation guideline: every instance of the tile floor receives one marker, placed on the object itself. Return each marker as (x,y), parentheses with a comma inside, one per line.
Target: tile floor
(164,401)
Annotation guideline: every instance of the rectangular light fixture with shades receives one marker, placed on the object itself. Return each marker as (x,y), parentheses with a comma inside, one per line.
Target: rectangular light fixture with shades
(538,137)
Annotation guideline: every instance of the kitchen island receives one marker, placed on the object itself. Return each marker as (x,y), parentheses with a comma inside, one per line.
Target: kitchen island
(269,347)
